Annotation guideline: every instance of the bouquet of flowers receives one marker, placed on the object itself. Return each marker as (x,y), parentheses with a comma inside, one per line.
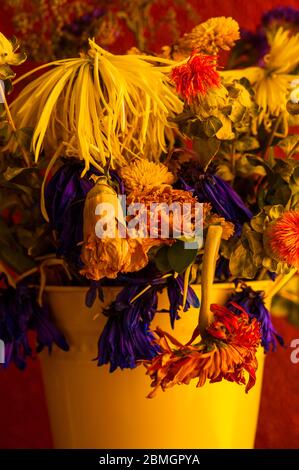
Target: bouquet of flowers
(144,172)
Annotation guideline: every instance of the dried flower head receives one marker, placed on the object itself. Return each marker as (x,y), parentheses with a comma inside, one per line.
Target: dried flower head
(228,350)
(143,176)
(197,76)
(210,36)
(282,237)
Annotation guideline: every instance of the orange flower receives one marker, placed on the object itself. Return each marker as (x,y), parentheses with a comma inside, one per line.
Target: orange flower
(282,236)
(197,76)
(109,255)
(155,203)
(106,257)
(228,349)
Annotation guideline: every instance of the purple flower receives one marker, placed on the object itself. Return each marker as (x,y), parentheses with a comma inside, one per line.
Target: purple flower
(222,269)
(79,25)
(94,290)
(256,43)
(281,15)
(175,287)
(19,313)
(126,337)
(65,197)
(253,303)
(223,198)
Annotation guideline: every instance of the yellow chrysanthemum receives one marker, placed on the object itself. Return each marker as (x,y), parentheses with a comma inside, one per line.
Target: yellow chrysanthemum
(143,176)
(102,107)
(272,82)
(210,36)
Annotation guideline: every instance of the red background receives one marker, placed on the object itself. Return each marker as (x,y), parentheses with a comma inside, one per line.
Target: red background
(24,421)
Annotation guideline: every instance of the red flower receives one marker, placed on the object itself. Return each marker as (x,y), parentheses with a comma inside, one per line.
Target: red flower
(226,352)
(197,76)
(283,238)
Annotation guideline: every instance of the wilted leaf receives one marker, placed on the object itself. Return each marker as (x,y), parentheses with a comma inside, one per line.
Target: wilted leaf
(160,258)
(211,126)
(11,252)
(257,222)
(276,211)
(24,137)
(246,144)
(241,263)
(206,149)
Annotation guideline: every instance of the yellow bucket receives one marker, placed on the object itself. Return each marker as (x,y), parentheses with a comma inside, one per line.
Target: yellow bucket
(91,408)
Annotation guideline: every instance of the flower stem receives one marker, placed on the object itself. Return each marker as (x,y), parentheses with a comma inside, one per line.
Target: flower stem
(13,127)
(208,271)
(280,281)
(272,135)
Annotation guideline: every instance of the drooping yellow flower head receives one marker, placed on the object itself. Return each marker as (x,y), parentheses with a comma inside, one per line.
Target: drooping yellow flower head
(210,36)
(143,176)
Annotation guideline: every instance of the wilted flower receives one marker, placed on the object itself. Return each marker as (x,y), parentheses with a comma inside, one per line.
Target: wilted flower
(228,349)
(282,237)
(195,77)
(160,205)
(213,189)
(65,194)
(127,338)
(19,313)
(253,304)
(281,16)
(210,36)
(111,253)
(228,228)
(175,288)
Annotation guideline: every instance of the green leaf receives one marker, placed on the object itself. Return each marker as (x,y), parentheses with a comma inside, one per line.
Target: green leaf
(24,137)
(255,242)
(211,126)
(241,262)
(276,211)
(16,187)
(257,222)
(6,72)
(206,149)
(11,173)
(160,258)
(11,252)
(246,144)
(284,169)
(8,200)
(179,257)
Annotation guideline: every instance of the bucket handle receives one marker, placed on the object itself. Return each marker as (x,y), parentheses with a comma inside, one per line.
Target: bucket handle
(210,255)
